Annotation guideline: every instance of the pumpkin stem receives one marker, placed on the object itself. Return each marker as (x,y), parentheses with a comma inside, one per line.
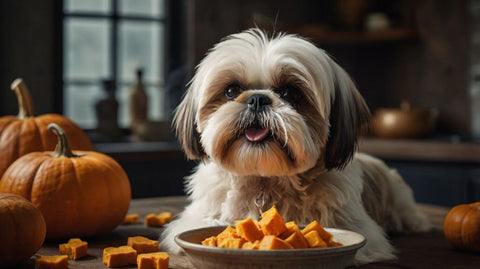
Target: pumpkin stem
(25,105)
(63,146)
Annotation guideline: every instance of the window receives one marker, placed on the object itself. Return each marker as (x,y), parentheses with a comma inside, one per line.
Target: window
(111,39)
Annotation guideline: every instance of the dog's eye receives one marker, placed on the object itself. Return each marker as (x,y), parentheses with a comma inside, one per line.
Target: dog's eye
(233,91)
(290,94)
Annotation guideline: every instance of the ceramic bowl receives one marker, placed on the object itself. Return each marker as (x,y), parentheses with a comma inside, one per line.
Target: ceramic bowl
(206,257)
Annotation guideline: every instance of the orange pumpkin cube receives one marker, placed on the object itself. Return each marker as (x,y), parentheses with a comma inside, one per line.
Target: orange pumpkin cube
(154,220)
(229,238)
(270,242)
(229,232)
(297,240)
(251,245)
(154,260)
(314,240)
(231,243)
(211,241)
(52,262)
(142,244)
(248,230)
(291,228)
(315,226)
(131,219)
(119,256)
(272,223)
(75,248)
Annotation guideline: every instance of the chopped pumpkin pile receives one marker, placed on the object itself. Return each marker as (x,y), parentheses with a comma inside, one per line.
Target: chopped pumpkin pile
(140,251)
(271,232)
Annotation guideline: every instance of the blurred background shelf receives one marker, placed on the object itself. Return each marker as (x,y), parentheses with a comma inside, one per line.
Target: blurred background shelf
(322,35)
(430,150)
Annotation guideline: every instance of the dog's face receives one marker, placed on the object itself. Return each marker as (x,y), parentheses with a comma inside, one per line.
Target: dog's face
(270,107)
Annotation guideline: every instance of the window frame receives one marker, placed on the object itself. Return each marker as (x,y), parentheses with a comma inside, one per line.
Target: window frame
(173,44)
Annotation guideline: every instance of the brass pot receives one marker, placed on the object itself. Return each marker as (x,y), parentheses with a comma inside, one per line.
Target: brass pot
(403,122)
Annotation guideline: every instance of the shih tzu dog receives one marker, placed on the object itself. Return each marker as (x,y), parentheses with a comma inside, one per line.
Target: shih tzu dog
(274,121)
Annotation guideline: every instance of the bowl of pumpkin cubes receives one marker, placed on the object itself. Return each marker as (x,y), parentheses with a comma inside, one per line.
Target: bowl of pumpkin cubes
(270,243)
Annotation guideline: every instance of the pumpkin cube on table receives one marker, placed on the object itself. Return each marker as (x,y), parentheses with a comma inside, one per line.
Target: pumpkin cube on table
(158,220)
(142,244)
(131,219)
(52,262)
(119,256)
(154,260)
(75,248)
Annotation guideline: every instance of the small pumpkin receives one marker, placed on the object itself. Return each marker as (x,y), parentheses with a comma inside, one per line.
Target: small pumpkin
(22,229)
(26,133)
(80,194)
(462,226)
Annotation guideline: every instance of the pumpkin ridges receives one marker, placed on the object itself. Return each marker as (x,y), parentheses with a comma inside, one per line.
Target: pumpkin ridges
(9,146)
(29,139)
(117,204)
(5,121)
(40,136)
(15,180)
(469,229)
(76,136)
(47,194)
(85,173)
(453,232)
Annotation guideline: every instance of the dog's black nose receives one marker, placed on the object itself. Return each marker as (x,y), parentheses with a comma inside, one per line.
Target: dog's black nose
(257,102)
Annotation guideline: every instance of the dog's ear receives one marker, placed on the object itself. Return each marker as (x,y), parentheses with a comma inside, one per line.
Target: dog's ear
(185,127)
(349,116)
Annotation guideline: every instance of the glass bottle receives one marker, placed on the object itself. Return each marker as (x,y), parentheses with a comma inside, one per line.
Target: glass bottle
(138,102)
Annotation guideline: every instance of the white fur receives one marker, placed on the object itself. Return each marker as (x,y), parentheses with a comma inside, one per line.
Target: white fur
(361,194)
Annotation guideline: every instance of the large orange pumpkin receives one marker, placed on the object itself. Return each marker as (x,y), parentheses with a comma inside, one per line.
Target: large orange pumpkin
(25,133)
(462,226)
(22,229)
(80,194)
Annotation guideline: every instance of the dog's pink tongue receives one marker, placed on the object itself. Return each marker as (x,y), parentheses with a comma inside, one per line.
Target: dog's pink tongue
(256,134)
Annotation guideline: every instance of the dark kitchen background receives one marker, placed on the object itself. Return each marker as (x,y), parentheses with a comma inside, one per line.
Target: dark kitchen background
(424,54)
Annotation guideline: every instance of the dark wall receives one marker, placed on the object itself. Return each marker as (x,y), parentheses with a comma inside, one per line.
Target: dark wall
(29,49)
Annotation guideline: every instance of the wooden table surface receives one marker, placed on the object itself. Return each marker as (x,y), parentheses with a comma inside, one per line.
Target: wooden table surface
(429,250)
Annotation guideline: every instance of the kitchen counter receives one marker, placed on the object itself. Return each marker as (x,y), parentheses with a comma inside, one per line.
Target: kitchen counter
(444,150)
(421,150)
(428,250)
